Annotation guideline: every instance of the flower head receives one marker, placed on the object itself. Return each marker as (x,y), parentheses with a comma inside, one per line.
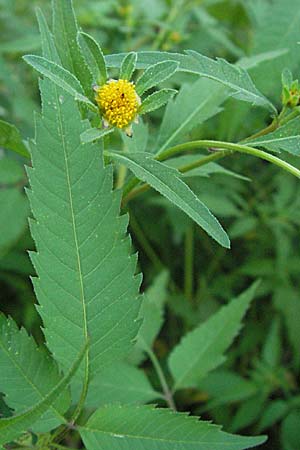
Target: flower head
(118,103)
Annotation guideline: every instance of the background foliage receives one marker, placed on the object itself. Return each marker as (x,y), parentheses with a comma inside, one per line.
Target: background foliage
(187,276)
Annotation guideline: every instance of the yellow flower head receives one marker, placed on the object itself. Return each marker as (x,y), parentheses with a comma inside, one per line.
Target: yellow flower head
(118,102)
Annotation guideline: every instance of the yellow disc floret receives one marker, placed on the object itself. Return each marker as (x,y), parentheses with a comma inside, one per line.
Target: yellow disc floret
(118,102)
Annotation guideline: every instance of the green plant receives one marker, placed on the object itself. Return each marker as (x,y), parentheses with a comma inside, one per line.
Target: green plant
(88,165)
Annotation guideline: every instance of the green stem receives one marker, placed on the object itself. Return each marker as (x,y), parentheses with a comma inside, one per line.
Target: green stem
(166,390)
(194,145)
(189,263)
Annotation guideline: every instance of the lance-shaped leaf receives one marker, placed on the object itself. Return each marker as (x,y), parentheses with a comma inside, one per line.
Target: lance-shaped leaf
(155,74)
(10,138)
(11,427)
(65,34)
(59,76)
(168,182)
(128,66)
(233,77)
(132,427)
(156,100)
(94,56)
(286,138)
(94,134)
(28,374)
(86,285)
(202,350)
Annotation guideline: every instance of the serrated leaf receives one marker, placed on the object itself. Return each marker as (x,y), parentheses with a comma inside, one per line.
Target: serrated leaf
(11,427)
(65,35)
(285,138)
(168,182)
(128,66)
(144,427)
(202,350)
(233,77)
(85,272)
(28,374)
(95,58)
(59,76)
(11,171)
(94,134)
(156,100)
(10,138)
(120,382)
(155,74)
(221,71)
(193,104)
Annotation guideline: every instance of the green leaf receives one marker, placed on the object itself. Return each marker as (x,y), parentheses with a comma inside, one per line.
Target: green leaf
(233,77)
(156,100)
(65,34)
(168,182)
(94,134)
(59,76)
(11,171)
(14,207)
(128,66)
(285,138)
(271,351)
(202,350)
(120,383)
(10,138)
(11,427)
(193,104)
(28,374)
(224,386)
(144,427)
(86,275)
(155,74)
(290,431)
(95,57)
(275,411)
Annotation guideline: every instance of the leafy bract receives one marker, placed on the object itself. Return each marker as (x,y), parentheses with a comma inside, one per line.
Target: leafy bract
(168,182)
(86,285)
(202,350)
(156,100)
(60,76)
(232,76)
(10,138)
(155,74)
(28,374)
(128,66)
(11,427)
(94,56)
(120,382)
(285,138)
(132,427)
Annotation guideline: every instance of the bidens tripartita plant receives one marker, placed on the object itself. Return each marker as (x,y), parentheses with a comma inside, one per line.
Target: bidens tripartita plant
(97,327)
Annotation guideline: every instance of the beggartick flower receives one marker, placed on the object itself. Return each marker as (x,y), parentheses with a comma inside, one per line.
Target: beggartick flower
(120,100)
(118,103)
